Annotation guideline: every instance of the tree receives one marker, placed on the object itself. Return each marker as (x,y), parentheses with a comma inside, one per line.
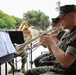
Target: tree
(7,21)
(18,20)
(38,19)
(58,5)
(2,23)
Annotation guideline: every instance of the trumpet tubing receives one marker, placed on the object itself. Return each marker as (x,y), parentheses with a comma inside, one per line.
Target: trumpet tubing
(52,31)
(24,25)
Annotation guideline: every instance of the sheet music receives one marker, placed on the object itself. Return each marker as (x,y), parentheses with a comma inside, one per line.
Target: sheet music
(6,46)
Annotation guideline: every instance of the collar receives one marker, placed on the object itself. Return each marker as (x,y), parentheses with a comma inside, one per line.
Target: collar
(73,29)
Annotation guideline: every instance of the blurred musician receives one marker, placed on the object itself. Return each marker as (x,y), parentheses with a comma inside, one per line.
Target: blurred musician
(23,54)
(65,50)
(48,56)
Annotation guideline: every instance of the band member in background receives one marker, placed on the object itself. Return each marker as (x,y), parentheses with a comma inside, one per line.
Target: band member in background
(65,50)
(44,58)
(23,54)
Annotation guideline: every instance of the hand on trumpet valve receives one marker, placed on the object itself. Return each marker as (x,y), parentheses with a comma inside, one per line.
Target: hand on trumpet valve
(42,38)
(27,47)
(46,40)
(42,33)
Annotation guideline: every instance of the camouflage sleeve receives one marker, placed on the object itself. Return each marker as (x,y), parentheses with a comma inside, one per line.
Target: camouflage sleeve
(59,36)
(72,48)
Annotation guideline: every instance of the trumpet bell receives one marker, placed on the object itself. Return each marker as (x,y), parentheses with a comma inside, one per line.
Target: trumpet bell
(24,25)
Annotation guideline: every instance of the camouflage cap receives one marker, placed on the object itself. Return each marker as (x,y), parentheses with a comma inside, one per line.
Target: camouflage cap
(66,9)
(55,20)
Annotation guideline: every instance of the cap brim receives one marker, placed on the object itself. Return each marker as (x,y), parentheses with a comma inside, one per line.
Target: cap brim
(61,15)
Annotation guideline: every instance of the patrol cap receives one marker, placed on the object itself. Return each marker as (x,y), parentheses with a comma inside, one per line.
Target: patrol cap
(66,9)
(55,20)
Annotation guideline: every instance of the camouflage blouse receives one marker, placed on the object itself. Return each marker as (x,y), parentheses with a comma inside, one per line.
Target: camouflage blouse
(68,44)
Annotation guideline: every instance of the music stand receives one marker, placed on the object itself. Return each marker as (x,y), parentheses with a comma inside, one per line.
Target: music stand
(9,56)
(16,37)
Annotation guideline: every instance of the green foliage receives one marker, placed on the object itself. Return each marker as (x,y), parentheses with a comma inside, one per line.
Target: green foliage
(18,20)
(7,21)
(38,19)
(2,23)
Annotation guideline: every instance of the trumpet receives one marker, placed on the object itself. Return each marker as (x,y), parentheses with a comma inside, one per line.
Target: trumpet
(36,42)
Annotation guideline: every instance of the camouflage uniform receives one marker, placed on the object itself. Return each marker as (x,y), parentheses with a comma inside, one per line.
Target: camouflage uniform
(24,55)
(68,45)
(39,61)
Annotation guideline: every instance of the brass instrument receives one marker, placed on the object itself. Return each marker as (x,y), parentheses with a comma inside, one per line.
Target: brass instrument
(24,25)
(26,33)
(36,41)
